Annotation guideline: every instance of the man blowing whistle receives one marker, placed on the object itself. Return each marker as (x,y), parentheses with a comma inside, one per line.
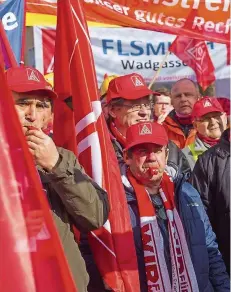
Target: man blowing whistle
(175,246)
(73,197)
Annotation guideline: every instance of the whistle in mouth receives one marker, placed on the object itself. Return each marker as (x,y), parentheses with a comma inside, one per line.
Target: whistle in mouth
(153,171)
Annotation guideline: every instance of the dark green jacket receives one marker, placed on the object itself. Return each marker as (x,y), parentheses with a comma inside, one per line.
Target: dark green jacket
(74,199)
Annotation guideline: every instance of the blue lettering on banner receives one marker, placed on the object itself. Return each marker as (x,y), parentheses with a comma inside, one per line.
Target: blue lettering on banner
(138,48)
(106,46)
(12,15)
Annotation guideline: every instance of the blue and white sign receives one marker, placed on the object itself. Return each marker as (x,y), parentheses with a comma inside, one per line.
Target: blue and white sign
(12,13)
(123,51)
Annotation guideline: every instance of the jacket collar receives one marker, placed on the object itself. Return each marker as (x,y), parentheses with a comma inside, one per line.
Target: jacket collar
(223,149)
(200,145)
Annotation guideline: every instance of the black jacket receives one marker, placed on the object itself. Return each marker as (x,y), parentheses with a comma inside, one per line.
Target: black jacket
(211,177)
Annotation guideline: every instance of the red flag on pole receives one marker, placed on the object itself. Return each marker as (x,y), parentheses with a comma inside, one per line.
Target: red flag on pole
(112,245)
(228,54)
(8,54)
(195,54)
(31,254)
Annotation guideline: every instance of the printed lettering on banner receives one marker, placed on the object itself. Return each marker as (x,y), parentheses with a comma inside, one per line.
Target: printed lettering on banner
(146,129)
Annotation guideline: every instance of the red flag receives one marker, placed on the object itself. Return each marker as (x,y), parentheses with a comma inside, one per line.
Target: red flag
(7,52)
(31,254)
(112,245)
(195,54)
(228,53)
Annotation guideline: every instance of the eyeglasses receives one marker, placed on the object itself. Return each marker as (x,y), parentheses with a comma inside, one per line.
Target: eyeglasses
(138,107)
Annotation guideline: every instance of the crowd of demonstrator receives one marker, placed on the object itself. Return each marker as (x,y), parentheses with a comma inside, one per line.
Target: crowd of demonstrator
(173,150)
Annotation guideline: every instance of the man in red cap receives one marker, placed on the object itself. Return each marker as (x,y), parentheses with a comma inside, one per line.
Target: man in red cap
(129,102)
(175,245)
(210,121)
(73,197)
(211,173)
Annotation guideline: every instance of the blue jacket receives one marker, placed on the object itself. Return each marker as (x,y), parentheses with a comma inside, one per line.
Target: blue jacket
(206,258)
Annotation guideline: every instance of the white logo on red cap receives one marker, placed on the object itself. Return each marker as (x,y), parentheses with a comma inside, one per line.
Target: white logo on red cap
(32,75)
(207,103)
(145,129)
(137,81)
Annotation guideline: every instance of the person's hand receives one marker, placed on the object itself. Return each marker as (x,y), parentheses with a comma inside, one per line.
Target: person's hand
(42,148)
(34,222)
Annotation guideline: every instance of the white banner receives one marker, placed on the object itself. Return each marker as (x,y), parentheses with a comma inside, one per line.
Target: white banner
(125,50)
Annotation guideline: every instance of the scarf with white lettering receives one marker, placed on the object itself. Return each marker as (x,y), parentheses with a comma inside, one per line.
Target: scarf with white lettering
(183,275)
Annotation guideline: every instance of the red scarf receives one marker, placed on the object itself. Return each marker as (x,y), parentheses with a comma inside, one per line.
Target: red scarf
(116,133)
(184,119)
(183,275)
(210,141)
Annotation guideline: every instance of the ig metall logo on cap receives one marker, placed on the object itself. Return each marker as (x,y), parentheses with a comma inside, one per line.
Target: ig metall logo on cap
(207,103)
(32,75)
(145,129)
(137,81)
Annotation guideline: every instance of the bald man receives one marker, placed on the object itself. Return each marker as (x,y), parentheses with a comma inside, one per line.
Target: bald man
(178,124)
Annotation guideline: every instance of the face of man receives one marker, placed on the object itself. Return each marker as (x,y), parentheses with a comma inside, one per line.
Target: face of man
(130,113)
(162,105)
(183,95)
(147,162)
(211,125)
(33,110)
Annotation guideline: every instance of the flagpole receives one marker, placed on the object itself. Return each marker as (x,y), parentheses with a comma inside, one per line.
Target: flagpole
(158,71)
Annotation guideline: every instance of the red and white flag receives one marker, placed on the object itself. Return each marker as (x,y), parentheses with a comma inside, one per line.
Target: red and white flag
(195,54)
(75,82)
(31,254)
(228,54)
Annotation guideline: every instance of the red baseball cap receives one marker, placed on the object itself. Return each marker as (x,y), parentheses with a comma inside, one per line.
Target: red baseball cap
(131,86)
(146,132)
(206,105)
(28,79)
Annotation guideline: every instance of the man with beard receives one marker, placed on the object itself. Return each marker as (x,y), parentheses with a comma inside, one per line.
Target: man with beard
(210,121)
(175,245)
